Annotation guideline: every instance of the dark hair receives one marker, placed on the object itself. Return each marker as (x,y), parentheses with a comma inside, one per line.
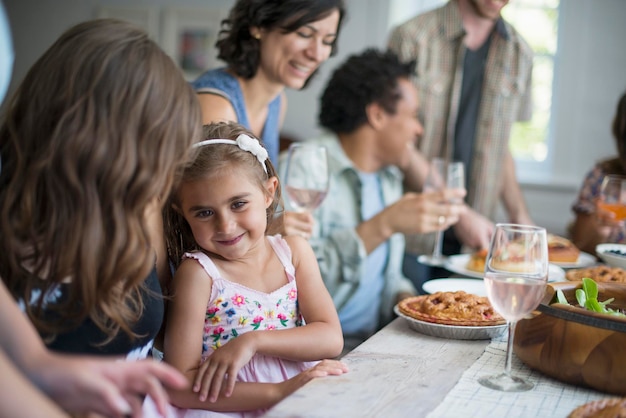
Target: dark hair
(369,77)
(208,161)
(91,140)
(618,129)
(240,50)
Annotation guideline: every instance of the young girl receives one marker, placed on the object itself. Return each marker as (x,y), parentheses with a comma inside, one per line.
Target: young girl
(241,298)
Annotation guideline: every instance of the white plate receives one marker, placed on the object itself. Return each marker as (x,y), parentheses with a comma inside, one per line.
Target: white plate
(457,264)
(584,260)
(613,260)
(473,286)
(452,331)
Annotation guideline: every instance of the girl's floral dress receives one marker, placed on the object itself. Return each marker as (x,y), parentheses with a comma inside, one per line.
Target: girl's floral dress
(234,309)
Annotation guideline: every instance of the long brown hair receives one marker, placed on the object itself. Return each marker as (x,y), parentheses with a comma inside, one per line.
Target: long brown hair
(95,134)
(208,161)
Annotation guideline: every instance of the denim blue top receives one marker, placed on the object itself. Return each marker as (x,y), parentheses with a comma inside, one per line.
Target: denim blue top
(220,82)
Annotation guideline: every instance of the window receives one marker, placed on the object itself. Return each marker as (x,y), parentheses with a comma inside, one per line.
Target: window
(537,22)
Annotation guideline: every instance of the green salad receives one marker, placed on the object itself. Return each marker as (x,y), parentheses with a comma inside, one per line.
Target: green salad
(587,298)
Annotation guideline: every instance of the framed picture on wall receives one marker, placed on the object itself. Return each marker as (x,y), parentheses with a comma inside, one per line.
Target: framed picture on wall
(146,17)
(189,37)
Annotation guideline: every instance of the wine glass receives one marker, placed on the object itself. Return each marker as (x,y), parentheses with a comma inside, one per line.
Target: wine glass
(516,273)
(613,196)
(306,175)
(441,175)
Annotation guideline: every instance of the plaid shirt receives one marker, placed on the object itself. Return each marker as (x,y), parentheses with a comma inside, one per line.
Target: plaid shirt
(435,40)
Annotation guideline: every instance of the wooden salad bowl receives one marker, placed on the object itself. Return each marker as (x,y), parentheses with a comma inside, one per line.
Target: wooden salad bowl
(574,345)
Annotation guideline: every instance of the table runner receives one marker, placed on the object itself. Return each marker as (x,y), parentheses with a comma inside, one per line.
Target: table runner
(549,397)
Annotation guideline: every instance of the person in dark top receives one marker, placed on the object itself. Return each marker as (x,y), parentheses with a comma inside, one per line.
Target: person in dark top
(90,144)
(80,143)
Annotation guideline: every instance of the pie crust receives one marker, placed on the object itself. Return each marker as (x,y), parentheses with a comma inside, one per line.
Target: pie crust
(451,308)
(598,273)
(603,408)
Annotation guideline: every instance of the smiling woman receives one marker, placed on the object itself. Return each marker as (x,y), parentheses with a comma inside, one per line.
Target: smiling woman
(267,46)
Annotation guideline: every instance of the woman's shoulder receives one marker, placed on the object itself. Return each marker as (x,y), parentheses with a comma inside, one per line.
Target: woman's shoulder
(215,79)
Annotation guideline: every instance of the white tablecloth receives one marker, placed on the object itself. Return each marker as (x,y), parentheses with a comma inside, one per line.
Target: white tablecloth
(549,398)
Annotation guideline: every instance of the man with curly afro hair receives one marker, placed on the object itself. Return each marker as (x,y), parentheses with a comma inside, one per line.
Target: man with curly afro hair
(370,108)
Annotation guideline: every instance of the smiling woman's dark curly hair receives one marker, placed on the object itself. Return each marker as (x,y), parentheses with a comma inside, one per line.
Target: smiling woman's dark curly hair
(240,50)
(91,141)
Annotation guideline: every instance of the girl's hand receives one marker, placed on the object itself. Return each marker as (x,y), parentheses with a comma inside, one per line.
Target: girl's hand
(321,369)
(223,364)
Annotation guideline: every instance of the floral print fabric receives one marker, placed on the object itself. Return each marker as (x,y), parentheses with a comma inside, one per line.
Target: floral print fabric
(234,309)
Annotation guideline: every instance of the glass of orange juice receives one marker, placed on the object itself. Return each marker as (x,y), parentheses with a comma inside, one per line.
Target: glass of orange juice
(613,196)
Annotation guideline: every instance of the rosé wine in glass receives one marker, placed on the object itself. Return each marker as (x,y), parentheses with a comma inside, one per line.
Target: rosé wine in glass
(305,199)
(306,176)
(516,273)
(514,297)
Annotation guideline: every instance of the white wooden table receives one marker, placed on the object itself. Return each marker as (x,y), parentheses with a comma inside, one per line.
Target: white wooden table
(395,372)
(399,372)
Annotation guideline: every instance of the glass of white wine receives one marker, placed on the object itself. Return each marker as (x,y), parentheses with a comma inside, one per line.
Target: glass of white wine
(306,176)
(516,273)
(442,174)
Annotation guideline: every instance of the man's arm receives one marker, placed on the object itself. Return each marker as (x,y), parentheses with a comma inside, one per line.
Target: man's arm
(511,193)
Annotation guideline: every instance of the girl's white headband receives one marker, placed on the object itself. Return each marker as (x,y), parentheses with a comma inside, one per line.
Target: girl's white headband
(244,142)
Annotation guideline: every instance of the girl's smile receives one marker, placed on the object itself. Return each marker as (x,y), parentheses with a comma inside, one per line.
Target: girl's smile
(226,212)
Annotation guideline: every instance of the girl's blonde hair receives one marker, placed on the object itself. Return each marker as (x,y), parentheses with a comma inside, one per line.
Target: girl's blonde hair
(93,137)
(209,160)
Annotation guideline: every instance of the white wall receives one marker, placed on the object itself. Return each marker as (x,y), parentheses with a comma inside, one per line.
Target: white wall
(589,76)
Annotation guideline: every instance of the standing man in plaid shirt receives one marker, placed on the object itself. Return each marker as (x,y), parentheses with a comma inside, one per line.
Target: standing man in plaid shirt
(473,75)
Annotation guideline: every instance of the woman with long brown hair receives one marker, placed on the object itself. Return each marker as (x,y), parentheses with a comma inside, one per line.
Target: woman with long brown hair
(90,145)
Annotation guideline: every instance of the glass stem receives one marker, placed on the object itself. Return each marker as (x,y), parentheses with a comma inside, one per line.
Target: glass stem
(509,347)
(438,245)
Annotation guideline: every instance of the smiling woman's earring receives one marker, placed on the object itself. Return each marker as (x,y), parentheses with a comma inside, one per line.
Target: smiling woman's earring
(257,36)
